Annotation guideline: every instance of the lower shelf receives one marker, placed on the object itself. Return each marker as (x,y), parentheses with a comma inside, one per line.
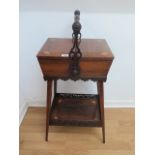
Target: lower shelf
(75,110)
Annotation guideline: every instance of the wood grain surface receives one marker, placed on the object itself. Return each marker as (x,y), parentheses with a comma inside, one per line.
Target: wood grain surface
(95,62)
(90,48)
(78,140)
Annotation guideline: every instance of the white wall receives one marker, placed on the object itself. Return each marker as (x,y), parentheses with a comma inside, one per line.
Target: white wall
(116,28)
(106,6)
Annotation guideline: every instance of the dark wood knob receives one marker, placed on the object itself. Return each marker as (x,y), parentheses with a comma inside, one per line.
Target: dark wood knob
(77,12)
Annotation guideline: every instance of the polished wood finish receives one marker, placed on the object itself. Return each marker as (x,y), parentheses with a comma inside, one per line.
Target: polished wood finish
(55,63)
(75,52)
(55,87)
(120,128)
(75,110)
(90,48)
(49,97)
(94,64)
(101,102)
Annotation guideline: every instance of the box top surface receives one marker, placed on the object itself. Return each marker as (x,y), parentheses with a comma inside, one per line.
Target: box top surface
(55,48)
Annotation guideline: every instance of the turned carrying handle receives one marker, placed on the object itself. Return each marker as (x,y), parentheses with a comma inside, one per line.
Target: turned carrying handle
(75,52)
(76,25)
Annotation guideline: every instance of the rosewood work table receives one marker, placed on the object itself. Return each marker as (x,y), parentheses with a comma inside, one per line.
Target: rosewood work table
(88,59)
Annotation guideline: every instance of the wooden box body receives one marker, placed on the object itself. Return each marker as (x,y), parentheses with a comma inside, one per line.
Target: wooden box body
(94,64)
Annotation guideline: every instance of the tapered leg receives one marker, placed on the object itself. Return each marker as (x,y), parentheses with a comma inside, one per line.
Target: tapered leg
(55,87)
(100,86)
(48,106)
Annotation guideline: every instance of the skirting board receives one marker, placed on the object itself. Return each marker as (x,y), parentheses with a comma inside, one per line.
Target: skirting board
(22,112)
